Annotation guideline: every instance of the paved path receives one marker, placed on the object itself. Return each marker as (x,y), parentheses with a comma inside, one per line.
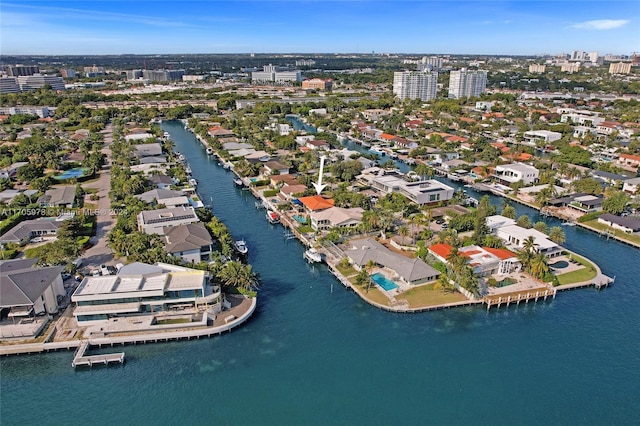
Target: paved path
(100,253)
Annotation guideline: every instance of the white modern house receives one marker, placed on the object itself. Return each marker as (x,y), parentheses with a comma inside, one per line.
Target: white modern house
(516,172)
(546,136)
(155,221)
(141,289)
(422,192)
(514,235)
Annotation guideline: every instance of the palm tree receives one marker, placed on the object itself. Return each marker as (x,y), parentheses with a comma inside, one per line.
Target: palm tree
(236,274)
(557,235)
(403,231)
(529,244)
(539,265)
(368,268)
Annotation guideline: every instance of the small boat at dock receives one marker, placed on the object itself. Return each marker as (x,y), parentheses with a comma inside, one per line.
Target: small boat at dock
(193,182)
(209,151)
(312,256)
(241,247)
(238,182)
(272,217)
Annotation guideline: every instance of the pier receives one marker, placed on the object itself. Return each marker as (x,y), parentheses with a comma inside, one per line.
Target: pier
(80,358)
(516,298)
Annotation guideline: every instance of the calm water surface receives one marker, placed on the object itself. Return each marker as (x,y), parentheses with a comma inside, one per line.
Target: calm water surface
(314,353)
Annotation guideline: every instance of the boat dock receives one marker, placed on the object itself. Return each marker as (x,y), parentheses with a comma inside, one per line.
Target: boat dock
(523,296)
(79,358)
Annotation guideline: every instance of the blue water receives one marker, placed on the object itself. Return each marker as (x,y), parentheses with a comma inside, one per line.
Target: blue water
(71,173)
(315,354)
(383,281)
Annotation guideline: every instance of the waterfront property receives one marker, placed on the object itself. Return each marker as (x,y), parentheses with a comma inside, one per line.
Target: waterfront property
(516,172)
(141,289)
(28,295)
(190,242)
(410,271)
(336,217)
(156,221)
(515,236)
(485,261)
(422,192)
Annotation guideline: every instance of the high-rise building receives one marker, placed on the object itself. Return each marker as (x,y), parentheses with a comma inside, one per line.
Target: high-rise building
(273,73)
(9,85)
(430,63)
(37,81)
(305,62)
(570,67)
(21,70)
(620,68)
(467,83)
(93,71)
(415,85)
(537,68)
(163,75)
(133,74)
(68,73)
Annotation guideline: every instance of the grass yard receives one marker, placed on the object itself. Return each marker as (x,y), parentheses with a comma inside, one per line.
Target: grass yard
(618,233)
(426,295)
(585,274)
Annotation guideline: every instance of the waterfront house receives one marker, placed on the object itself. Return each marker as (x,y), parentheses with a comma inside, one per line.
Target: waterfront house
(58,196)
(167,197)
(584,203)
(141,289)
(192,242)
(148,150)
(626,224)
(422,192)
(157,221)
(484,261)
(218,132)
(161,181)
(314,203)
(516,172)
(336,217)
(411,271)
(275,167)
(514,235)
(28,291)
(288,192)
(139,137)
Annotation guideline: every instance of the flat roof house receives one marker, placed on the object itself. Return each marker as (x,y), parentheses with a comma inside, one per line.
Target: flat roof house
(514,235)
(546,136)
(516,172)
(156,221)
(139,289)
(422,192)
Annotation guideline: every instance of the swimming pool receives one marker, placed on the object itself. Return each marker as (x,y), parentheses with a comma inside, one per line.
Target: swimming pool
(71,173)
(383,281)
(300,219)
(560,264)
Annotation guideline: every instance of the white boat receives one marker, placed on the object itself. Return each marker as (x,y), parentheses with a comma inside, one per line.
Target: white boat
(312,256)
(272,216)
(210,151)
(193,182)
(241,246)
(238,182)
(568,223)
(376,150)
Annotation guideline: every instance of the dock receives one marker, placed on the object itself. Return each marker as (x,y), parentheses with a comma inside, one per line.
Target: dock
(516,298)
(79,358)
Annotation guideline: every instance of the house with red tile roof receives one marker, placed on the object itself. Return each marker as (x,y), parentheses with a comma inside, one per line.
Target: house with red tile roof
(219,131)
(485,261)
(316,203)
(629,160)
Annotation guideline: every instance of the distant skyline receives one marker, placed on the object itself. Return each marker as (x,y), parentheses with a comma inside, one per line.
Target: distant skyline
(455,27)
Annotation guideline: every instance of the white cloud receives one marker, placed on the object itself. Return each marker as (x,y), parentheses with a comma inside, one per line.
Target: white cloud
(602,24)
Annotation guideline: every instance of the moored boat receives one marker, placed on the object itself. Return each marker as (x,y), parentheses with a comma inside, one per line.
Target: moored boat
(210,151)
(193,182)
(241,246)
(312,256)
(272,216)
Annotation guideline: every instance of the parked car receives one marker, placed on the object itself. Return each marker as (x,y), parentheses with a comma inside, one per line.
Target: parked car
(65,275)
(37,240)
(440,221)
(96,273)
(104,270)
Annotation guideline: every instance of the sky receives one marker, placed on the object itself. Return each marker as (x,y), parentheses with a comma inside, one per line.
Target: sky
(517,27)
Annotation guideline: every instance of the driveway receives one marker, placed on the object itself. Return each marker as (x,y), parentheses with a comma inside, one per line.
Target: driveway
(100,253)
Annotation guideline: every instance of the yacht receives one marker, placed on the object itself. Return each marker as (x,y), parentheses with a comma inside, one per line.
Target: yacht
(272,216)
(210,151)
(238,182)
(241,247)
(312,256)
(193,182)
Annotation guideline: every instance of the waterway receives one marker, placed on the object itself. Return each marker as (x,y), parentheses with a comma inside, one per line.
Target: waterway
(315,354)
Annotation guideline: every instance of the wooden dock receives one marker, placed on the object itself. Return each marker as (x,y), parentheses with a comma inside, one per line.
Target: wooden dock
(517,298)
(80,358)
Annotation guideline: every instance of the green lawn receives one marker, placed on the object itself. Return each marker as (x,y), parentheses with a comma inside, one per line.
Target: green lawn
(426,295)
(584,274)
(618,233)
(349,270)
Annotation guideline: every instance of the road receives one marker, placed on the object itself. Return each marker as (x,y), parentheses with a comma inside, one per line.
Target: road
(100,253)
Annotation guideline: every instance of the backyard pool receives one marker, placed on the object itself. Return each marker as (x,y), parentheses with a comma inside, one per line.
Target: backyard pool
(561,264)
(300,219)
(71,173)
(383,281)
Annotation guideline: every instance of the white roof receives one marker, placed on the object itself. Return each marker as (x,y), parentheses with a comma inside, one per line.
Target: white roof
(541,240)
